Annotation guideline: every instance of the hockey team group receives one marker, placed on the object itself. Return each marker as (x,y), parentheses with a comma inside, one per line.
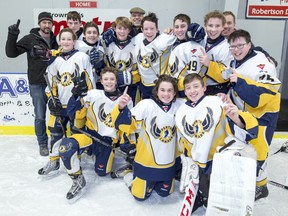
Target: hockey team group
(167,101)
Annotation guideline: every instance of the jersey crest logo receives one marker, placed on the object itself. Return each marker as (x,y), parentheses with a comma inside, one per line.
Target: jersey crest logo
(198,127)
(66,78)
(261,66)
(121,65)
(174,66)
(164,134)
(146,61)
(105,118)
(193,51)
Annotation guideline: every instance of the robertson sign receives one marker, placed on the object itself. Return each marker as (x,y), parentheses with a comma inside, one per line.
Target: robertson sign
(269,9)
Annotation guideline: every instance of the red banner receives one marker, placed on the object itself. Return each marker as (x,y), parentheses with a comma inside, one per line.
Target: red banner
(83,4)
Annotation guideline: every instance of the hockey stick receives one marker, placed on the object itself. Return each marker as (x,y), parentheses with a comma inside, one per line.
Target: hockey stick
(97,140)
(58,118)
(284,148)
(278,184)
(152,67)
(105,51)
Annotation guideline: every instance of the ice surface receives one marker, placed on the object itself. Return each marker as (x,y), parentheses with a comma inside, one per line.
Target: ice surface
(22,193)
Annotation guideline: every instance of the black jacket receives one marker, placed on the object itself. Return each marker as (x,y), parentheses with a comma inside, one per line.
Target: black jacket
(36,65)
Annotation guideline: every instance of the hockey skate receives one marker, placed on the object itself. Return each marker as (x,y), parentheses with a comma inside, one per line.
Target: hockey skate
(77,189)
(261,193)
(121,171)
(50,170)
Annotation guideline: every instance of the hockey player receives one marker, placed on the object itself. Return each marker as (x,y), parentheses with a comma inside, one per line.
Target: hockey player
(90,44)
(63,74)
(152,50)
(94,110)
(120,52)
(216,46)
(181,24)
(254,89)
(153,119)
(74,23)
(202,126)
(230,27)
(184,60)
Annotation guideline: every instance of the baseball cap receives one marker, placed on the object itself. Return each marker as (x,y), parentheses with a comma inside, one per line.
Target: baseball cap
(137,10)
(44,16)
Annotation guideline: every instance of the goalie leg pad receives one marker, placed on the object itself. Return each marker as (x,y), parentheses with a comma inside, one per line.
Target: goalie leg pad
(232,185)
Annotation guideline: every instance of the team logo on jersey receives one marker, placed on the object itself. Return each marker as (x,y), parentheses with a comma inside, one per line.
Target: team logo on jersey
(146,61)
(105,118)
(261,66)
(198,127)
(66,78)
(174,66)
(121,65)
(193,51)
(164,134)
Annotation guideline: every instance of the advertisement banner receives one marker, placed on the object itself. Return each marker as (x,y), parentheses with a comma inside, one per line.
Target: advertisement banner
(16,107)
(267,9)
(102,17)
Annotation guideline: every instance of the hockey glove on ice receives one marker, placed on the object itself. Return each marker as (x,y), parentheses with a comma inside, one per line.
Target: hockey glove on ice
(80,86)
(55,109)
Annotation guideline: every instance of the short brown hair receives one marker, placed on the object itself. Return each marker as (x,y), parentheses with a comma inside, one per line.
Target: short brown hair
(73,15)
(122,21)
(214,14)
(191,77)
(109,70)
(74,37)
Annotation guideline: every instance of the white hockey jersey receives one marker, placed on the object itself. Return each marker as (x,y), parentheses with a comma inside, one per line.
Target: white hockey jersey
(184,60)
(98,116)
(152,59)
(218,52)
(197,125)
(62,72)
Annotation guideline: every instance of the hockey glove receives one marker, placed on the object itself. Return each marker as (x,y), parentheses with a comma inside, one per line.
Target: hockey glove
(109,36)
(195,32)
(14,29)
(55,109)
(124,78)
(80,86)
(40,51)
(190,170)
(130,150)
(95,56)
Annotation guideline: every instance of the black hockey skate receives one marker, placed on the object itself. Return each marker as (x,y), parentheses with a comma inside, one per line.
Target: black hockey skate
(78,188)
(121,171)
(261,192)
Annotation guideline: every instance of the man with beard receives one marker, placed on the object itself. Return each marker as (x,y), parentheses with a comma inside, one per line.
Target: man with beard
(36,45)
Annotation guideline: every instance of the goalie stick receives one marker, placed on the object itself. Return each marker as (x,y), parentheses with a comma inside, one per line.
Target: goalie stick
(278,184)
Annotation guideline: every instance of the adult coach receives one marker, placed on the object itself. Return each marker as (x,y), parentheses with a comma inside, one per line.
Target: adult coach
(40,38)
